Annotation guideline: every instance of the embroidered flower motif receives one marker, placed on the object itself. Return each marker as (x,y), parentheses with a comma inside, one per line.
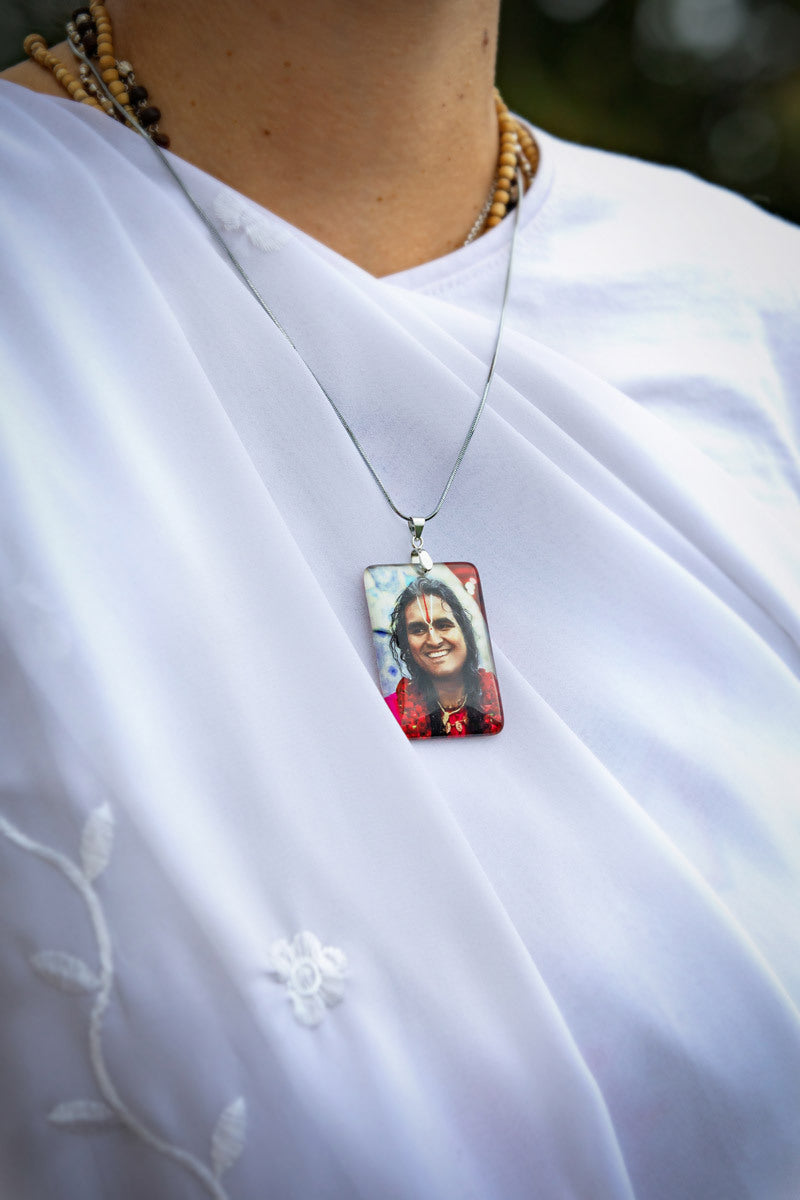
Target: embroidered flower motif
(314,975)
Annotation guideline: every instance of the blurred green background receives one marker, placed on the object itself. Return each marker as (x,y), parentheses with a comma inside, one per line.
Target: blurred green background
(709,85)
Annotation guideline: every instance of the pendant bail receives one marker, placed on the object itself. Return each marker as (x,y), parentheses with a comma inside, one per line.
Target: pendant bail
(419,556)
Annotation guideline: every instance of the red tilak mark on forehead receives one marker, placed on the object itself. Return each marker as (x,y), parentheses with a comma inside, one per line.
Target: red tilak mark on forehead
(425,602)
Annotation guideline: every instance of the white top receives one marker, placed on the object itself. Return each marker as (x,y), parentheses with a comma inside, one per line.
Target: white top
(563,961)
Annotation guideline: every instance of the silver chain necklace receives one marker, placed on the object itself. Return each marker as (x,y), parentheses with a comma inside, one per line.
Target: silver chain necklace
(434,608)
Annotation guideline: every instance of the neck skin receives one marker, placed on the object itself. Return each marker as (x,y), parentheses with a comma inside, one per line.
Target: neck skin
(449,691)
(368,124)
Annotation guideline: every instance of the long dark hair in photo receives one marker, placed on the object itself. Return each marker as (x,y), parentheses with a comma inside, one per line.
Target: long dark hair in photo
(425,585)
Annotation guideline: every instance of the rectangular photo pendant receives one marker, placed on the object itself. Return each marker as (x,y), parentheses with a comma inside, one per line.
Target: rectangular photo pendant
(435,662)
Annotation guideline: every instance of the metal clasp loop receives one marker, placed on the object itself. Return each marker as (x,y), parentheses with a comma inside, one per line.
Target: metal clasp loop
(419,556)
(416,526)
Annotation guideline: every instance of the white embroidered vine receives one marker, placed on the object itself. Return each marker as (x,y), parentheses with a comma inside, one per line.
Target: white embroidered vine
(72,975)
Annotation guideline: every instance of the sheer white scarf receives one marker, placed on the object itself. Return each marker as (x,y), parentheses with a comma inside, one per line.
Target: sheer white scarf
(571,948)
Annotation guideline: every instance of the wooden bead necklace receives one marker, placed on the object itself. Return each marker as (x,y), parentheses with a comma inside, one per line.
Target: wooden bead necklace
(517,150)
(90,32)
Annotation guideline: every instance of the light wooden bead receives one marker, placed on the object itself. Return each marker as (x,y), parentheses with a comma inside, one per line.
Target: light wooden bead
(116,87)
(507,160)
(491,221)
(506,173)
(33,43)
(104,46)
(531,154)
(498,210)
(107,60)
(502,196)
(109,75)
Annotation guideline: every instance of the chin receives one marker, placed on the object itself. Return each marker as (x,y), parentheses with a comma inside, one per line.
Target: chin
(446,673)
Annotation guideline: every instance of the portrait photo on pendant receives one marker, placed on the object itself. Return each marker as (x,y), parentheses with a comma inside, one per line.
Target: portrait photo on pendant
(432,645)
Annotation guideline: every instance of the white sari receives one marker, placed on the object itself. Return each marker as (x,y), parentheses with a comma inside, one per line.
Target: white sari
(571,951)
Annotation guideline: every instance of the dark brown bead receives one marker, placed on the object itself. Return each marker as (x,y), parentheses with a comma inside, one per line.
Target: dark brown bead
(149,115)
(160,139)
(138,94)
(89,43)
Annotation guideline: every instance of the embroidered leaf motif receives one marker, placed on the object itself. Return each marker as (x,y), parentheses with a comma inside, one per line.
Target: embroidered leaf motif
(265,236)
(227,1141)
(64,972)
(83,1115)
(96,842)
(229,209)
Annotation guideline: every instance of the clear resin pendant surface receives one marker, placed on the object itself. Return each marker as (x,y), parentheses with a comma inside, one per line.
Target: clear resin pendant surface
(435,662)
